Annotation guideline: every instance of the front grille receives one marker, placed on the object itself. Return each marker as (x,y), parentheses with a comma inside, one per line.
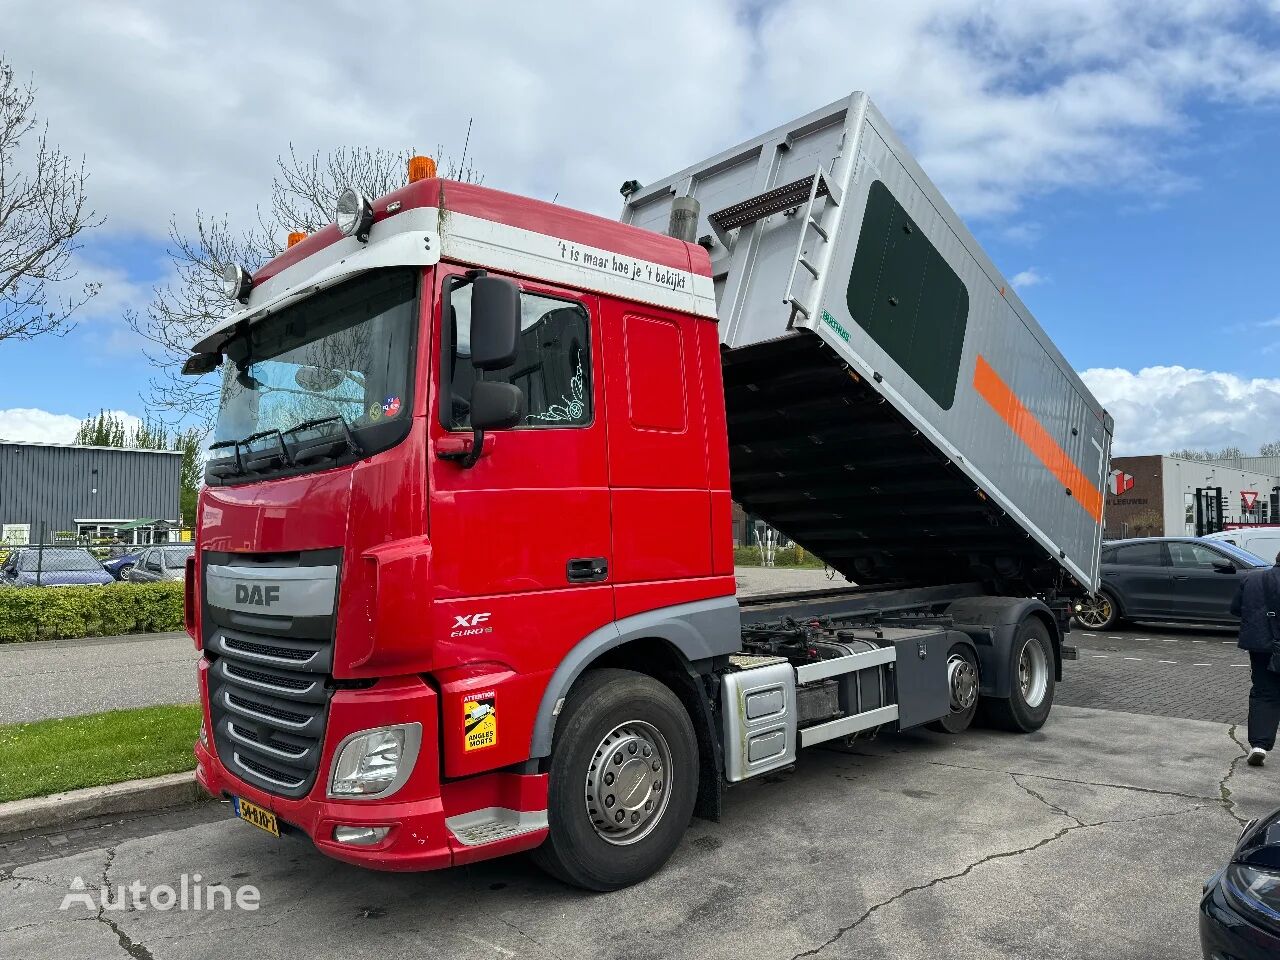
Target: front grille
(269,669)
(268,724)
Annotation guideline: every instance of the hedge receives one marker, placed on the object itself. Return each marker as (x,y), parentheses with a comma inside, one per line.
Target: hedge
(53,613)
(791,556)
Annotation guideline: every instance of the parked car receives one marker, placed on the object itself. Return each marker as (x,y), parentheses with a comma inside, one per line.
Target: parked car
(58,567)
(167,562)
(119,566)
(1240,908)
(1186,579)
(1260,541)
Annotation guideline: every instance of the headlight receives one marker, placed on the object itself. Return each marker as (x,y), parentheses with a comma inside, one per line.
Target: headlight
(375,763)
(1255,890)
(355,214)
(236,282)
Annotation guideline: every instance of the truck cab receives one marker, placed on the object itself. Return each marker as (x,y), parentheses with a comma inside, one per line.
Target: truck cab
(374,556)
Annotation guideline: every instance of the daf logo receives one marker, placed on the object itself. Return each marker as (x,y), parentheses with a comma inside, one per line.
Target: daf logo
(257,595)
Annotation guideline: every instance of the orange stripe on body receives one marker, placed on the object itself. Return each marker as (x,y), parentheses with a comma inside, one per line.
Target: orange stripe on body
(1030,431)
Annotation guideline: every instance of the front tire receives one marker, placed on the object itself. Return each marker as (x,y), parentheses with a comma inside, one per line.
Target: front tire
(1031,681)
(623,781)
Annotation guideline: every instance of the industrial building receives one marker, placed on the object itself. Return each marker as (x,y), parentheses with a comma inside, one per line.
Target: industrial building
(1170,496)
(93,493)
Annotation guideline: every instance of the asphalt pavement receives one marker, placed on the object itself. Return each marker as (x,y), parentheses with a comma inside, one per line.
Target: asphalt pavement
(65,678)
(1089,839)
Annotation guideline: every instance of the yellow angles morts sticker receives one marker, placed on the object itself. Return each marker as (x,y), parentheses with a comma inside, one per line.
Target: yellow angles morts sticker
(480,721)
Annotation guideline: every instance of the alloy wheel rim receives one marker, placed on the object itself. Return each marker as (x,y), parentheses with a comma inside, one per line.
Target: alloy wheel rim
(628,782)
(1096,612)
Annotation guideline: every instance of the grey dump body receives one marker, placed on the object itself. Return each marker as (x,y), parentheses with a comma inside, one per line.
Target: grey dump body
(893,407)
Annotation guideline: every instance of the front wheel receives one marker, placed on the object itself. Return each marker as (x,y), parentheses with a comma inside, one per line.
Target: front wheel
(623,781)
(1031,681)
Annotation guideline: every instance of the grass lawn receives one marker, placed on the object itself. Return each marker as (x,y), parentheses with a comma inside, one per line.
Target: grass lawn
(50,756)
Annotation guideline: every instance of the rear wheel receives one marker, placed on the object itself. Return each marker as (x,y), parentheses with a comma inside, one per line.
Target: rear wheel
(623,780)
(1031,681)
(1099,612)
(962,680)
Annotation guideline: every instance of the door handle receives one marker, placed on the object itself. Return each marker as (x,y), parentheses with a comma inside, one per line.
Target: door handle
(1181,576)
(587,570)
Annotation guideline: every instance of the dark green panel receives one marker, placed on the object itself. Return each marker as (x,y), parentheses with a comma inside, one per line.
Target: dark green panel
(907,298)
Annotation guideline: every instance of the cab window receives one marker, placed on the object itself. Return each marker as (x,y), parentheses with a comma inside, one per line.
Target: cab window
(552,366)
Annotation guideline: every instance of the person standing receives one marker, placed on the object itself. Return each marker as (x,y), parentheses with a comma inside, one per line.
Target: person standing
(1257,604)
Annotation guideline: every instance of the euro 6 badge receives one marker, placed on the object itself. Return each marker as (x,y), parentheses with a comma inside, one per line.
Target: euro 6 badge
(480,721)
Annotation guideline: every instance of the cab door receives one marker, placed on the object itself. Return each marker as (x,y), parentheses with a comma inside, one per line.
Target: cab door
(521,554)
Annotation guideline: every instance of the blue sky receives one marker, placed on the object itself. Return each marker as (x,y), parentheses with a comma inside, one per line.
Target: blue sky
(1117,157)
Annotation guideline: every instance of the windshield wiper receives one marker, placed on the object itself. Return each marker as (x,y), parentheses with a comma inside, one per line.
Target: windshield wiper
(352,443)
(222,470)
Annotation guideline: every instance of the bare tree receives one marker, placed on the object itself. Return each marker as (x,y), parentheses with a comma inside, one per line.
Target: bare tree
(43,209)
(304,194)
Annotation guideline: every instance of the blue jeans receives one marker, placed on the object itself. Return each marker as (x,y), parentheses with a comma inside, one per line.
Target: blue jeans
(1264,702)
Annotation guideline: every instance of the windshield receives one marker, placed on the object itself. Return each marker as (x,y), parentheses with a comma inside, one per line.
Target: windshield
(1242,555)
(77,560)
(337,365)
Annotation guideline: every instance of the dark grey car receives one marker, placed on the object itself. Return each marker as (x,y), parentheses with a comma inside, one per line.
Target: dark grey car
(1167,578)
(167,562)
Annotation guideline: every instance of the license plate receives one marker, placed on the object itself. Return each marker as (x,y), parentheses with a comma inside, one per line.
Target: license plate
(253,814)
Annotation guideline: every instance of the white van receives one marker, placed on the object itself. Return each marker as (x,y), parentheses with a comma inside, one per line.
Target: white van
(1262,542)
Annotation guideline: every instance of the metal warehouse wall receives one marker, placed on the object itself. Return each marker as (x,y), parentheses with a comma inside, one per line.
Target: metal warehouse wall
(55,484)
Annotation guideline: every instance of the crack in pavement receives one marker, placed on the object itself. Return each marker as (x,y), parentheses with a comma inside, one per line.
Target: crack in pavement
(1229,804)
(138,951)
(1000,855)
(1044,776)
(532,940)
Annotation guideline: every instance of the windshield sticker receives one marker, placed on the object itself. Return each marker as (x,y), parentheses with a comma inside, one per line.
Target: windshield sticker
(391,406)
(480,721)
(375,411)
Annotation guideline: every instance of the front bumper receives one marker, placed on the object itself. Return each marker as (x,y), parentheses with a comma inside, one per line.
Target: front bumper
(419,815)
(1226,934)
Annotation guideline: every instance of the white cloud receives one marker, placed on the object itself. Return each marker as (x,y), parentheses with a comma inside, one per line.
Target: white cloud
(1002,98)
(41,426)
(1027,278)
(1158,409)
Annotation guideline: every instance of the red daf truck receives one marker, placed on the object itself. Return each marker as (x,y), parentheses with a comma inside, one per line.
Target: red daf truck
(464,579)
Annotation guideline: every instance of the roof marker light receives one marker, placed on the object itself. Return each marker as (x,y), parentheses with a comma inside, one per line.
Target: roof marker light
(295,236)
(355,214)
(421,168)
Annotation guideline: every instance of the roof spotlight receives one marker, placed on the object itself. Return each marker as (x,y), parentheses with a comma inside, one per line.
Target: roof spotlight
(355,214)
(236,282)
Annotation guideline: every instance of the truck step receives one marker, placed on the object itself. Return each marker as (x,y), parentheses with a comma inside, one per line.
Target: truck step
(492,824)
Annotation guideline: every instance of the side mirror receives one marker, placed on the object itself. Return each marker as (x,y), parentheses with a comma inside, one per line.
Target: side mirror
(495,323)
(496,406)
(1224,566)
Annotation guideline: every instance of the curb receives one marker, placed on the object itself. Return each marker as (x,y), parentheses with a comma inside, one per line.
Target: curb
(131,796)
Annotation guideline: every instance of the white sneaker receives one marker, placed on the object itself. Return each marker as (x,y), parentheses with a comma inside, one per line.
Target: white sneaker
(1257,757)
